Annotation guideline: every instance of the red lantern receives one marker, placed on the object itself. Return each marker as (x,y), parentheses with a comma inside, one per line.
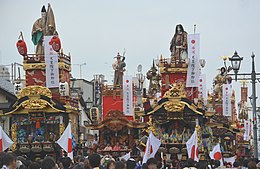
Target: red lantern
(38,124)
(21,47)
(55,42)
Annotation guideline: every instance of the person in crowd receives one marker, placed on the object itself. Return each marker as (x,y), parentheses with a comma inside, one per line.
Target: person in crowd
(48,163)
(117,147)
(245,162)
(145,166)
(66,162)
(120,165)
(124,146)
(203,165)
(237,164)
(152,163)
(251,165)
(190,163)
(94,160)
(9,161)
(108,147)
(130,164)
(34,165)
(110,164)
(216,163)
(2,154)
(86,164)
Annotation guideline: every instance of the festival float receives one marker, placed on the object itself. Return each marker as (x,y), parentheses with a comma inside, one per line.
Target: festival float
(117,125)
(44,106)
(177,104)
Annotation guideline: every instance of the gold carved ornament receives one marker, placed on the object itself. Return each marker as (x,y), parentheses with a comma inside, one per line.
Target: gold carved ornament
(34,91)
(177,91)
(151,126)
(174,106)
(62,128)
(34,104)
(14,135)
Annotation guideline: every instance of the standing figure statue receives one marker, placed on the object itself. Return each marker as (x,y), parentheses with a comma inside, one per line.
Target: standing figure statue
(44,26)
(119,67)
(178,45)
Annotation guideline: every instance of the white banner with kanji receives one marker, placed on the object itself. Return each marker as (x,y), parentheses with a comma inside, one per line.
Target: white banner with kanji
(128,95)
(202,89)
(247,128)
(193,71)
(226,92)
(51,61)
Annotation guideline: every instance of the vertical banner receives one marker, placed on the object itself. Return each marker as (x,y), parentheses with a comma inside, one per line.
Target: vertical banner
(244,94)
(194,56)
(127,95)
(226,92)
(247,130)
(202,89)
(51,61)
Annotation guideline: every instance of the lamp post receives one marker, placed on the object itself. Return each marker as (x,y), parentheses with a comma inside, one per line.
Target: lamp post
(235,62)
(140,77)
(82,64)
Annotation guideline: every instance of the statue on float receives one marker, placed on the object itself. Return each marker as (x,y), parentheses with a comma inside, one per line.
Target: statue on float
(178,45)
(119,67)
(44,26)
(153,76)
(219,80)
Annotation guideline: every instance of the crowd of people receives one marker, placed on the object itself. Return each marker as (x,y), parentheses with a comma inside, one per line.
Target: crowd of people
(96,161)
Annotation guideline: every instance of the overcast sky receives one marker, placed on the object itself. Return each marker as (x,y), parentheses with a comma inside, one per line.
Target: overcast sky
(94,31)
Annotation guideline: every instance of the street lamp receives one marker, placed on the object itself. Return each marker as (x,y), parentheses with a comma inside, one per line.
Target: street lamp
(82,64)
(88,103)
(235,62)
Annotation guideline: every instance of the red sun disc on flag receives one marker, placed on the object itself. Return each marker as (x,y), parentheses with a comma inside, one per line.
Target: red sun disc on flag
(194,152)
(200,80)
(127,81)
(226,88)
(217,156)
(193,41)
(1,145)
(151,149)
(69,145)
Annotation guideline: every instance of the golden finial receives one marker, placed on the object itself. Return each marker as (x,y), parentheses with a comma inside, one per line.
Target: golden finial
(225,57)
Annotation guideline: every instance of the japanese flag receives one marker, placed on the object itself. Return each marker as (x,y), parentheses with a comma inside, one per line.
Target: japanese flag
(192,147)
(65,141)
(5,141)
(216,154)
(152,146)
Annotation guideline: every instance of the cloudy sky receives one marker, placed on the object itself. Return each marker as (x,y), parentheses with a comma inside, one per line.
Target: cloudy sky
(94,31)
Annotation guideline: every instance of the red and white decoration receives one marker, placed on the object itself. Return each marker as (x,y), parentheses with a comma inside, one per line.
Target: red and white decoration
(247,131)
(216,154)
(5,141)
(51,61)
(226,92)
(128,95)
(192,147)
(65,141)
(202,89)
(193,71)
(152,146)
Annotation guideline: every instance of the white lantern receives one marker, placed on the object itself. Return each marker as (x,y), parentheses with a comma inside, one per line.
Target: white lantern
(18,86)
(64,89)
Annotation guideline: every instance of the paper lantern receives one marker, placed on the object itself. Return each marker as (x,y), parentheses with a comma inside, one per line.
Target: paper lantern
(21,47)
(55,43)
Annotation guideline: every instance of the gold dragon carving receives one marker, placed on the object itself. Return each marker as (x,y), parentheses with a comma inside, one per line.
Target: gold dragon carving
(14,135)
(35,91)
(174,95)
